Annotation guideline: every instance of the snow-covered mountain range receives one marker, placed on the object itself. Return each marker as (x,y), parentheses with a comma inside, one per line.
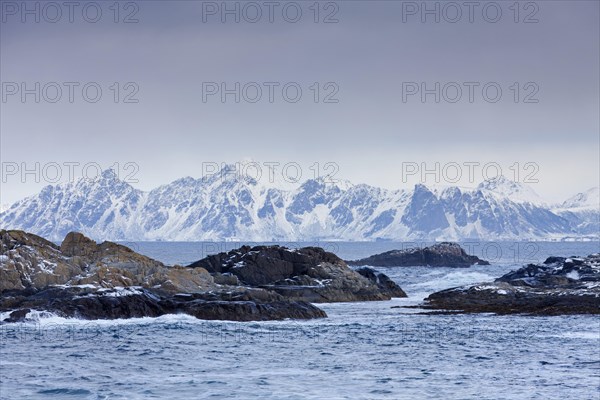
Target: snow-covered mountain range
(227,207)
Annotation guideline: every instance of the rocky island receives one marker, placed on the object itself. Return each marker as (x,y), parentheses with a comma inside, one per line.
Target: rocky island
(306,274)
(83,279)
(558,286)
(444,254)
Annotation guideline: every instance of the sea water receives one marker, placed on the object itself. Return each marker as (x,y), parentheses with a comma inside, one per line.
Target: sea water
(367,350)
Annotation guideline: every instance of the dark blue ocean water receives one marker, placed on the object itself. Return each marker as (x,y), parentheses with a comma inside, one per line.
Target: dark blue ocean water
(362,351)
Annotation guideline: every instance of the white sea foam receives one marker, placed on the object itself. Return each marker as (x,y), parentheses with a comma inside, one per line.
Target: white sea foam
(594,335)
(451,279)
(47,319)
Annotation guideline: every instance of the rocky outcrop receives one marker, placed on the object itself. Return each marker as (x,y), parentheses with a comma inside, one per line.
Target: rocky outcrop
(444,254)
(83,279)
(558,286)
(133,302)
(31,262)
(383,282)
(306,274)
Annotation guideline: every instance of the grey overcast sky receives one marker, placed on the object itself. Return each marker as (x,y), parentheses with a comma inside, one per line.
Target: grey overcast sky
(372,57)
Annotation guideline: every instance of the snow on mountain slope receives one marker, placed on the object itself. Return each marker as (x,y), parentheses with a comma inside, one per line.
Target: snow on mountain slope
(228,207)
(478,212)
(101,207)
(589,199)
(517,192)
(582,211)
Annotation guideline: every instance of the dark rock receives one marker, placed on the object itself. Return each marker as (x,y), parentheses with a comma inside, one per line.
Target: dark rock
(443,254)
(552,260)
(383,281)
(265,264)
(252,311)
(18,315)
(560,286)
(306,274)
(84,303)
(520,277)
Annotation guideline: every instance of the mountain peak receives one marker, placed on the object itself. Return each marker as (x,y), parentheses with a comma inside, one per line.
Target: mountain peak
(230,174)
(109,174)
(588,199)
(107,180)
(419,187)
(341,184)
(516,191)
(498,182)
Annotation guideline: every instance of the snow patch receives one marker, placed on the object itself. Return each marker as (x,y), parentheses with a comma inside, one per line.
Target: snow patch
(573,275)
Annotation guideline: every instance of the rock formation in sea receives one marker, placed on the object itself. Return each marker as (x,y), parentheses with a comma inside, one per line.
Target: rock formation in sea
(86,280)
(558,286)
(308,274)
(83,279)
(444,254)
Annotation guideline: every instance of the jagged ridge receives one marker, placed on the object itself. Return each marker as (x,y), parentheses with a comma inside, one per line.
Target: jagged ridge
(225,207)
